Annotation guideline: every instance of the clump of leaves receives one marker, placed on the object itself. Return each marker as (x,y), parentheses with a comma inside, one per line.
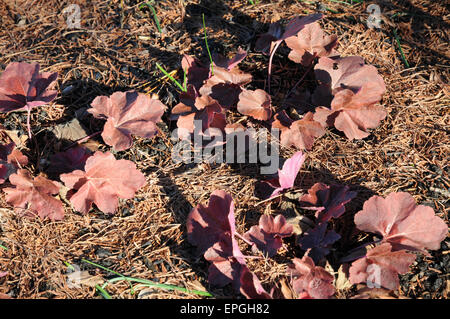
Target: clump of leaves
(102,183)
(23,87)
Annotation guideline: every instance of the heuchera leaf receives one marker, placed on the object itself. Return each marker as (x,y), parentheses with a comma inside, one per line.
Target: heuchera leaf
(266,40)
(225,85)
(310,280)
(267,236)
(309,43)
(196,72)
(213,223)
(127,113)
(401,222)
(319,241)
(193,107)
(229,64)
(10,159)
(356,88)
(22,87)
(255,104)
(381,266)
(103,181)
(251,287)
(212,228)
(300,133)
(286,176)
(32,196)
(328,200)
(65,162)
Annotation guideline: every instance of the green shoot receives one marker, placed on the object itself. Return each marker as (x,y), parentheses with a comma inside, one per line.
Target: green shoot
(207,47)
(145,282)
(171,77)
(103,292)
(155,16)
(1,246)
(397,39)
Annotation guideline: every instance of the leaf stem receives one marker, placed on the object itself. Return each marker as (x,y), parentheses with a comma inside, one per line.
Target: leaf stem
(269,71)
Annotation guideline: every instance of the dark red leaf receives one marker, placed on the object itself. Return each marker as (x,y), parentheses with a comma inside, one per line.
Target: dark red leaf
(328,200)
(65,162)
(196,72)
(267,236)
(229,64)
(319,241)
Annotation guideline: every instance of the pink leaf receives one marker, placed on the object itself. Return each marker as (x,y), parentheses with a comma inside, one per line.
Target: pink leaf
(310,280)
(251,287)
(309,43)
(127,113)
(103,182)
(255,104)
(33,195)
(22,87)
(381,266)
(301,133)
(298,23)
(267,236)
(286,176)
(402,222)
(330,200)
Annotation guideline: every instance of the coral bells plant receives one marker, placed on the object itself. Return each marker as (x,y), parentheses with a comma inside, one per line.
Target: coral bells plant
(344,93)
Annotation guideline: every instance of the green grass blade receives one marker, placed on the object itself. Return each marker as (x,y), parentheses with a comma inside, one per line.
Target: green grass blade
(397,39)
(103,292)
(150,283)
(5,248)
(155,16)
(171,77)
(207,47)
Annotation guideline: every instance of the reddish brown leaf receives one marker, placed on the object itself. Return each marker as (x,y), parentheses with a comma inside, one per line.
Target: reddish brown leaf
(68,161)
(229,64)
(127,113)
(225,85)
(318,240)
(402,222)
(309,43)
(196,72)
(103,182)
(22,87)
(328,200)
(255,104)
(381,267)
(267,236)
(300,133)
(251,287)
(310,280)
(33,196)
(266,40)
(193,107)
(10,159)
(356,88)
